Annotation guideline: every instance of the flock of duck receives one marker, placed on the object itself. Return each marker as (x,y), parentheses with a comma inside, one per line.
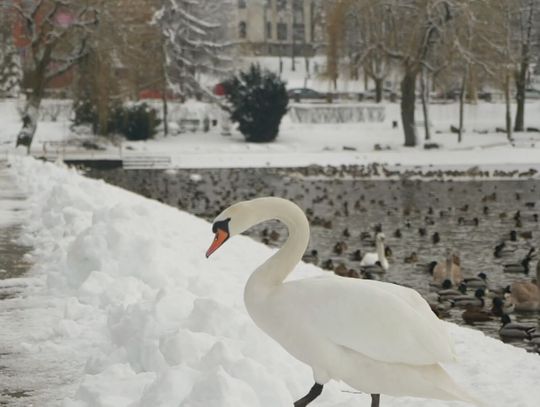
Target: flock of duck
(469,248)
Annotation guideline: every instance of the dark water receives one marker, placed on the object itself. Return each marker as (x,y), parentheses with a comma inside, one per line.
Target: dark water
(360,205)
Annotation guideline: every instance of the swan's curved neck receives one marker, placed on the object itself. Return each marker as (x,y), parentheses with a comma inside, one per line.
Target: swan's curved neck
(380,250)
(274,270)
(381,254)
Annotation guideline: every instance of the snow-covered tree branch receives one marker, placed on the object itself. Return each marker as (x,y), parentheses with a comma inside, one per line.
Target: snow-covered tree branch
(193,44)
(54,34)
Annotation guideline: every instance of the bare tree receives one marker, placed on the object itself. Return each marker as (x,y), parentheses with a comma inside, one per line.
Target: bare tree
(414,28)
(56,33)
(527,28)
(498,36)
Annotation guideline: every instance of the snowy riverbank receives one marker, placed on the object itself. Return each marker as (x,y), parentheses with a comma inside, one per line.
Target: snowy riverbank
(145,320)
(302,144)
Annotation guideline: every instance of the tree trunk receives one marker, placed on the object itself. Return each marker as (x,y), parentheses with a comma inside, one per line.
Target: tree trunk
(424,90)
(366,80)
(508,107)
(462,102)
(408,98)
(472,88)
(378,90)
(30,120)
(521,77)
(165,108)
(521,83)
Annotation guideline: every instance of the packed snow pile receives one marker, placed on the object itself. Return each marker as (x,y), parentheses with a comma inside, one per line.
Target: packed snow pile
(164,326)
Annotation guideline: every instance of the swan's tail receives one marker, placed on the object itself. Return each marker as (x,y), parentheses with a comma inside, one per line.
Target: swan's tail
(454,391)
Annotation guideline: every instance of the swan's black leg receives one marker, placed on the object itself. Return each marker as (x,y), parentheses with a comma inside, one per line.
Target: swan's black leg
(375,398)
(315,391)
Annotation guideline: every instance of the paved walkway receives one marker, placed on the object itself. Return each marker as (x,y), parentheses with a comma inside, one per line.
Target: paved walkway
(37,368)
(29,375)
(12,267)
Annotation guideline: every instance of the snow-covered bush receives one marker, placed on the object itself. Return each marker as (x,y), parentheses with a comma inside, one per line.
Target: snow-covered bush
(10,68)
(84,112)
(138,122)
(135,122)
(259,101)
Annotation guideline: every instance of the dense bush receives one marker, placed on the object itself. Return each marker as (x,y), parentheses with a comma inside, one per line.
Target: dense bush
(139,122)
(136,122)
(258,100)
(85,112)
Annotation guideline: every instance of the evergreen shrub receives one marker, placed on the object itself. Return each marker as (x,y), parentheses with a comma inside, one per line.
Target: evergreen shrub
(258,100)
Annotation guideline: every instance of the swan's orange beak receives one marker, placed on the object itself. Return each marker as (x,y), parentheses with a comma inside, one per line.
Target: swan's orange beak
(219,239)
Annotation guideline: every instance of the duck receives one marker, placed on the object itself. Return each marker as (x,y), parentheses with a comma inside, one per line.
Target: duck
(339,248)
(370,259)
(522,266)
(500,306)
(356,255)
(474,314)
(349,338)
(502,250)
(467,300)
(480,281)
(448,294)
(311,257)
(526,295)
(425,267)
(515,330)
(411,258)
(328,264)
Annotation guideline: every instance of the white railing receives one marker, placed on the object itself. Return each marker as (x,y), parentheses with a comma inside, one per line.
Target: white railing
(336,113)
(138,162)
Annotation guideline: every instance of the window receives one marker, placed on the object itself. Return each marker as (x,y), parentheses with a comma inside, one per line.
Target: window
(281,4)
(269,30)
(282,31)
(241,3)
(242,29)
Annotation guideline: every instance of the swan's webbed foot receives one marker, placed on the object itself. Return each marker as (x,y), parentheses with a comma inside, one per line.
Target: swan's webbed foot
(315,391)
(375,399)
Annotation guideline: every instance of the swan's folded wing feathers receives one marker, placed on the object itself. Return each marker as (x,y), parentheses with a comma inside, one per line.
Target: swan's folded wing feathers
(367,316)
(369,259)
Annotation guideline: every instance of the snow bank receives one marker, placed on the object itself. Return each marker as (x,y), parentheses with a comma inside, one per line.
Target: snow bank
(163,326)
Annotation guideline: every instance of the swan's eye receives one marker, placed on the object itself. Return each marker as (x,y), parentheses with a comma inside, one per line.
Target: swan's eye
(221,224)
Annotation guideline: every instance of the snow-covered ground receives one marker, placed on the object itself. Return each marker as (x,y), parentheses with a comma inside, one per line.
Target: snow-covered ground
(302,144)
(143,319)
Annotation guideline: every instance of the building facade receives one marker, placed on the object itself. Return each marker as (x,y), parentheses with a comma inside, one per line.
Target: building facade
(276,27)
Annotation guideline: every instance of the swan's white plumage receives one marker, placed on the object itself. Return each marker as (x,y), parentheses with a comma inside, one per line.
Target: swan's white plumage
(377,337)
(369,259)
(377,258)
(385,322)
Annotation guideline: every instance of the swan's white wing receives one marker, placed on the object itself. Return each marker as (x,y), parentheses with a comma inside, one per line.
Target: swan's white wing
(383,321)
(369,259)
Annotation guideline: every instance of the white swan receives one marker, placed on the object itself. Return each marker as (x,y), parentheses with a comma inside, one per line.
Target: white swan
(371,259)
(379,338)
